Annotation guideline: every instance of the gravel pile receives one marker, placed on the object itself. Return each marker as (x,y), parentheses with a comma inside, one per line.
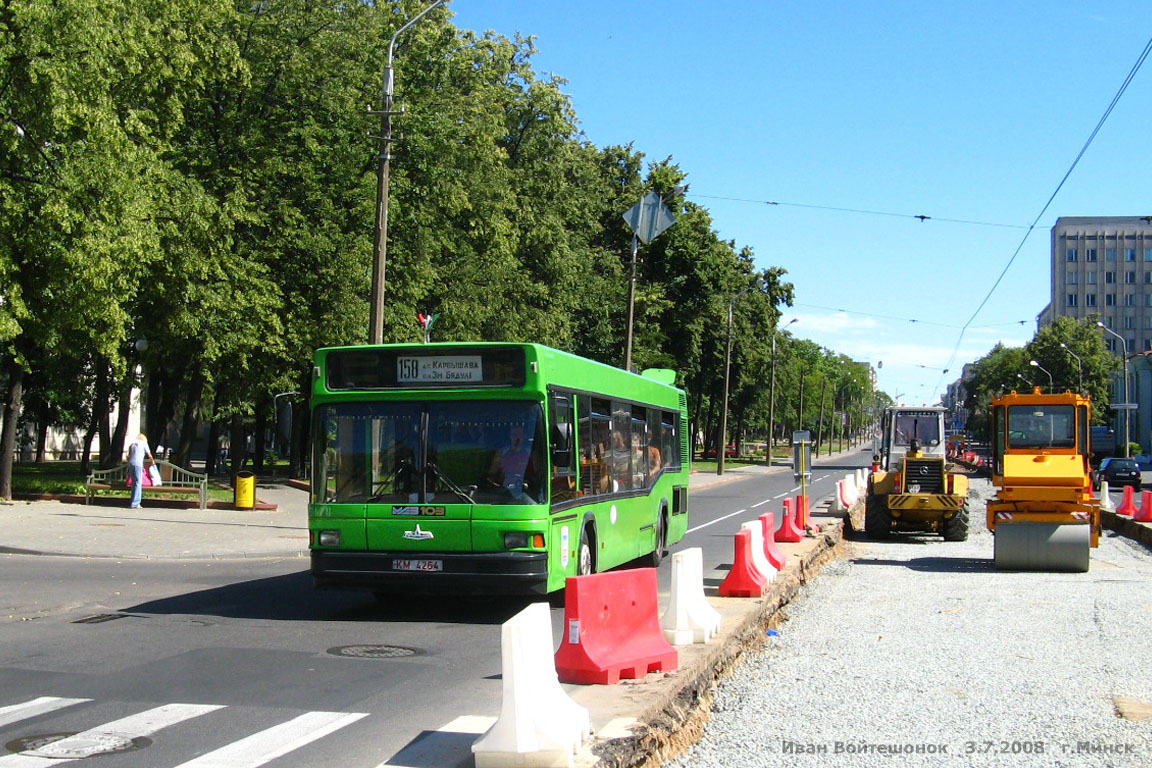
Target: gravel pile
(919,652)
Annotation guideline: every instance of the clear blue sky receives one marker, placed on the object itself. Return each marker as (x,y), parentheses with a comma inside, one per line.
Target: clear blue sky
(968,111)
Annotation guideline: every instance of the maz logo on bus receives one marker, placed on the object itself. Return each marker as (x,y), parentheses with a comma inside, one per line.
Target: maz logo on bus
(418,511)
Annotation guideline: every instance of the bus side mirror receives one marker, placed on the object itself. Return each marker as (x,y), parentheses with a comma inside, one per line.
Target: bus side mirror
(561,445)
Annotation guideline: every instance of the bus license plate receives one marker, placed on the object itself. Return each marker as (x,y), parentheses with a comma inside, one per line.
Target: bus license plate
(417,565)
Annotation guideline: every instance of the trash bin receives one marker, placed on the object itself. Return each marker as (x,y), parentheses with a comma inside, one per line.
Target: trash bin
(244,488)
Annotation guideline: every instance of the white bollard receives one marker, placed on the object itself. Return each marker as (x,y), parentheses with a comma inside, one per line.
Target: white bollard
(759,556)
(1106,503)
(690,618)
(838,498)
(538,724)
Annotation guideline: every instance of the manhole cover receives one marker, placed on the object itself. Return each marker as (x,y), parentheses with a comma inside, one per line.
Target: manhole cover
(75,746)
(373,651)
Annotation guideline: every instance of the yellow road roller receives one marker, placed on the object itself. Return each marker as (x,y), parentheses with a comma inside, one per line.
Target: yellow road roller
(1043,517)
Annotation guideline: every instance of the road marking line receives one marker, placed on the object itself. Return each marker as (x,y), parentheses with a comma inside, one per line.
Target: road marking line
(705,525)
(128,728)
(271,743)
(14,713)
(762,503)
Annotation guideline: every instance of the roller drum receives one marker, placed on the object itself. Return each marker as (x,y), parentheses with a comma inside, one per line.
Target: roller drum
(1042,546)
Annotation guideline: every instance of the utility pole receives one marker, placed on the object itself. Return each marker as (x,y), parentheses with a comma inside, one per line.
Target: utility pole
(380,238)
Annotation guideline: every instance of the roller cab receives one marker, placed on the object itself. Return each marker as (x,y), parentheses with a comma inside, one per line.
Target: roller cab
(1043,516)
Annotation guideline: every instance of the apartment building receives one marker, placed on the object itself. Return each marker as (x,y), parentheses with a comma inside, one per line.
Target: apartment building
(1102,270)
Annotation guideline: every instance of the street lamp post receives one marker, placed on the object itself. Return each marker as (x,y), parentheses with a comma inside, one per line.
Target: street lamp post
(772,396)
(1079,368)
(380,239)
(1127,440)
(1051,383)
(727,370)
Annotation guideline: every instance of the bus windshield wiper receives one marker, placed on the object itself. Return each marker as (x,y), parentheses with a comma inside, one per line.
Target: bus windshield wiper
(466,495)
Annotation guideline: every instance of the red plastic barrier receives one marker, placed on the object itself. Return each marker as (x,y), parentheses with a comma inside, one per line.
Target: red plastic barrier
(789,530)
(744,580)
(1128,506)
(771,551)
(1145,513)
(803,514)
(612,629)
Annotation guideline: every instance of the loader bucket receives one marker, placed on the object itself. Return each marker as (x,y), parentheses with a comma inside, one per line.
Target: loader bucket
(1042,546)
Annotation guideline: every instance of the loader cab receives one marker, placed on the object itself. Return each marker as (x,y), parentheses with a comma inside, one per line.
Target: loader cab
(905,428)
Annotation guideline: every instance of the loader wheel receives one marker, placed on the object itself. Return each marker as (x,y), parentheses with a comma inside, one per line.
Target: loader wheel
(955,528)
(877,520)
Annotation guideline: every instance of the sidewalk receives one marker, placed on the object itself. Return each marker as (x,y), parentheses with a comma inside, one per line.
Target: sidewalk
(162,531)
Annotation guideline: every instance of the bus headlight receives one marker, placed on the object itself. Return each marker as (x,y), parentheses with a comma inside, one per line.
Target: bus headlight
(523,540)
(328,538)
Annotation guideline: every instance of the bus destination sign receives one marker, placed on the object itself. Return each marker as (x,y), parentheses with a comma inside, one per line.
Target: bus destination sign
(419,368)
(441,369)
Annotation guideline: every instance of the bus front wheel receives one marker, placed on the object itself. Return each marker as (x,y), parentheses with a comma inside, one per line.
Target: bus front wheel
(585,555)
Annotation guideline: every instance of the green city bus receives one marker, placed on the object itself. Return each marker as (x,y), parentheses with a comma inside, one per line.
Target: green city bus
(489,467)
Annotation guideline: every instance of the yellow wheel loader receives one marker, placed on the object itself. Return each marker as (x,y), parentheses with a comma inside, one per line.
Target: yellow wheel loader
(1044,517)
(912,490)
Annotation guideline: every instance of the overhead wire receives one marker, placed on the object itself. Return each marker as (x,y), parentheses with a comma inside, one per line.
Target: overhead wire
(920,216)
(1100,124)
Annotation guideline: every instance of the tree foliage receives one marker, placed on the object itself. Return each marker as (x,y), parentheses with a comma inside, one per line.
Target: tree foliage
(201,175)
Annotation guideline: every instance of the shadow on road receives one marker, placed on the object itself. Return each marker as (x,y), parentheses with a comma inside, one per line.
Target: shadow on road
(291,598)
(934,564)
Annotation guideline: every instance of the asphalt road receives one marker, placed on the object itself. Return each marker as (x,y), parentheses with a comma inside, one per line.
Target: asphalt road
(273,667)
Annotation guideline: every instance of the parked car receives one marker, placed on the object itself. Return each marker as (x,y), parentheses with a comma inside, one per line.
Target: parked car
(710,453)
(1117,472)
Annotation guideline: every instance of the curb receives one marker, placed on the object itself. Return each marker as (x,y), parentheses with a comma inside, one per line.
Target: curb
(1127,527)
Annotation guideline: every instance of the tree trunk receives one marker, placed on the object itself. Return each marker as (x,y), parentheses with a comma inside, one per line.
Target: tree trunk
(213,449)
(8,426)
(116,449)
(258,432)
(86,456)
(190,422)
(239,450)
(101,410)
(41,438)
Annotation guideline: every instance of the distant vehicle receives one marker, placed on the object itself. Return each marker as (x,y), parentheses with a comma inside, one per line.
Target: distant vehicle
(1117,472)
(1103,441)
(710,453)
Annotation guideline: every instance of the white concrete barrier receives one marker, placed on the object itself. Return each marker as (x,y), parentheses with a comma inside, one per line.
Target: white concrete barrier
(759,555)
(539,726)
(861,481)
(1106,503)
(690,618)
(848,490)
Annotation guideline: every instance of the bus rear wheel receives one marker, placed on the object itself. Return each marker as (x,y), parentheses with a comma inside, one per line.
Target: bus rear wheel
(657,555)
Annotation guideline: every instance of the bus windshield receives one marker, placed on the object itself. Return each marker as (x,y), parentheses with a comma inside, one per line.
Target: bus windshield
(1041,426)
(479,451)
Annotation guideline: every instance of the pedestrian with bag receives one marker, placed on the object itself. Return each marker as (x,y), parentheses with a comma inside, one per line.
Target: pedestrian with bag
(137,450)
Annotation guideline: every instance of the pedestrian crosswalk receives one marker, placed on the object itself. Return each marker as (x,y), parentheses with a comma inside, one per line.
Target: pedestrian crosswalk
(130,731)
